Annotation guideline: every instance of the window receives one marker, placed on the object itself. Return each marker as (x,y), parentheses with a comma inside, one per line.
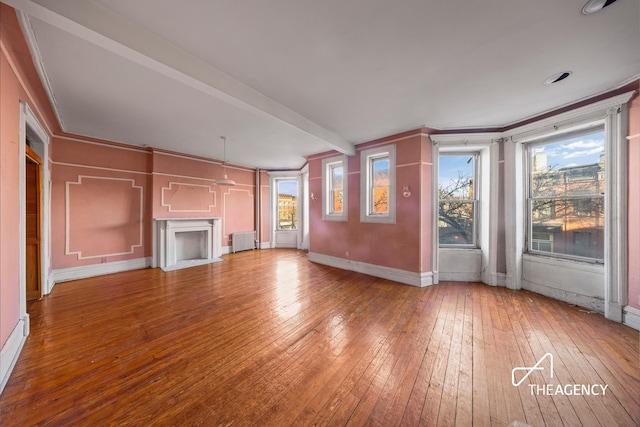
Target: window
(457,199)
(378,176)
(566,194)
(287,204)
(334,188)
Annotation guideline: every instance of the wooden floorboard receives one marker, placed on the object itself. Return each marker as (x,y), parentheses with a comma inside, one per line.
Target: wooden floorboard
(268,338)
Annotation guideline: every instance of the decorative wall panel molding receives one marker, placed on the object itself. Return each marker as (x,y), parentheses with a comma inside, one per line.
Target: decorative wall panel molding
(104,217)
(192,198)
(233,219)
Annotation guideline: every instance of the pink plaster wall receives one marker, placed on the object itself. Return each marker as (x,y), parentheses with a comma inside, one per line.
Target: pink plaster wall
(184,187)
(634,202)
(100,208)
(401,245)
(9,201)
(18,82)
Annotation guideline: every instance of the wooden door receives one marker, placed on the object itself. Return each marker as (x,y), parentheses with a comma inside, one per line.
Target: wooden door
(33,224)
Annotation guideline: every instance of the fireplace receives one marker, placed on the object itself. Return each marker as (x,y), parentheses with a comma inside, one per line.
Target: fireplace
(185,242)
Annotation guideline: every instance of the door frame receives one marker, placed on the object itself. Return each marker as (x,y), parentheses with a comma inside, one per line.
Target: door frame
(30,125)
(274,177)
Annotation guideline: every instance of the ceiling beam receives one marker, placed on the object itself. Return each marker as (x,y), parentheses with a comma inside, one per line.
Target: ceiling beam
(110,31)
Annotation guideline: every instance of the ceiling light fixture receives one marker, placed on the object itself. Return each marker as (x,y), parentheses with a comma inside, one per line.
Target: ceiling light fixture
(225,180)
(557,77)
(594,6)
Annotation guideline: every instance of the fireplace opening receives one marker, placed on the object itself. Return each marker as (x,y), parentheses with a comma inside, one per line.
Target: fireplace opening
(190,245)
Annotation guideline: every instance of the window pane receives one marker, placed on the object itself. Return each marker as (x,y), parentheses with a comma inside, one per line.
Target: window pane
(456,223)
(456,192)
(379,201)
(287,205)
(336,189)
(567,184)
(568,168)
(455,180)
(569,226)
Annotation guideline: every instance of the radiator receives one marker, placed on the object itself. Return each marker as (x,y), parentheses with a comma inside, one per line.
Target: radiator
(243,241)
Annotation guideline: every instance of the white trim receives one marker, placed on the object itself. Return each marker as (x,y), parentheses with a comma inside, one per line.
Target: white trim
(380,143)
(19,78)
(327,164)
(108,144)
(287,241)
(73,165)
(592,303)
(631,317)
(566,121)
(514,216)
(486,149)
(11,350)
(402,276)
(132,248)
(615,213)
(93,270)
(30,37)
(365,163)
(465,139)
(172,183)
(435,209)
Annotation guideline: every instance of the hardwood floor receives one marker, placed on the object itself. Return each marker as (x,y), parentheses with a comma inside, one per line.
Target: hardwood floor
(268,338)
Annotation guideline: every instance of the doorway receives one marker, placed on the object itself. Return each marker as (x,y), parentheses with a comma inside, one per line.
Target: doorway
(286,202)
(33,223)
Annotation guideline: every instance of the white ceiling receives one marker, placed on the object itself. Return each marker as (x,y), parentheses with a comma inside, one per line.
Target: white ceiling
(287,78)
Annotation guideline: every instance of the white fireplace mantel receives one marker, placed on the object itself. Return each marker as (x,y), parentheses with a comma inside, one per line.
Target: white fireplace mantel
(171,234)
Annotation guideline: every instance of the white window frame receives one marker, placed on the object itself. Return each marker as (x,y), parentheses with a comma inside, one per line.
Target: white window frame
(614,113)
(475,201)
(530,145)
(327,206)
(366,184)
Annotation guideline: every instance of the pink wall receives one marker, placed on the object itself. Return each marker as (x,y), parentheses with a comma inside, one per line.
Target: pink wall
(9,201)
(402,245)
(100,205)
(183,187)
(105,196)
(18,82)
(634,202)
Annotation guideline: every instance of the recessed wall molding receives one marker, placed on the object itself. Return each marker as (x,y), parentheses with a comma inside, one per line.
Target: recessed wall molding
(229,193)
(92,222)
(185,197)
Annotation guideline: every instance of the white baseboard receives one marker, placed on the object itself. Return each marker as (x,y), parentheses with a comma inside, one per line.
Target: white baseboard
(402,276)
(592,303)
(264,245)
(494,279)
(631,317)
(84,271)
(11,350)
(459,277)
